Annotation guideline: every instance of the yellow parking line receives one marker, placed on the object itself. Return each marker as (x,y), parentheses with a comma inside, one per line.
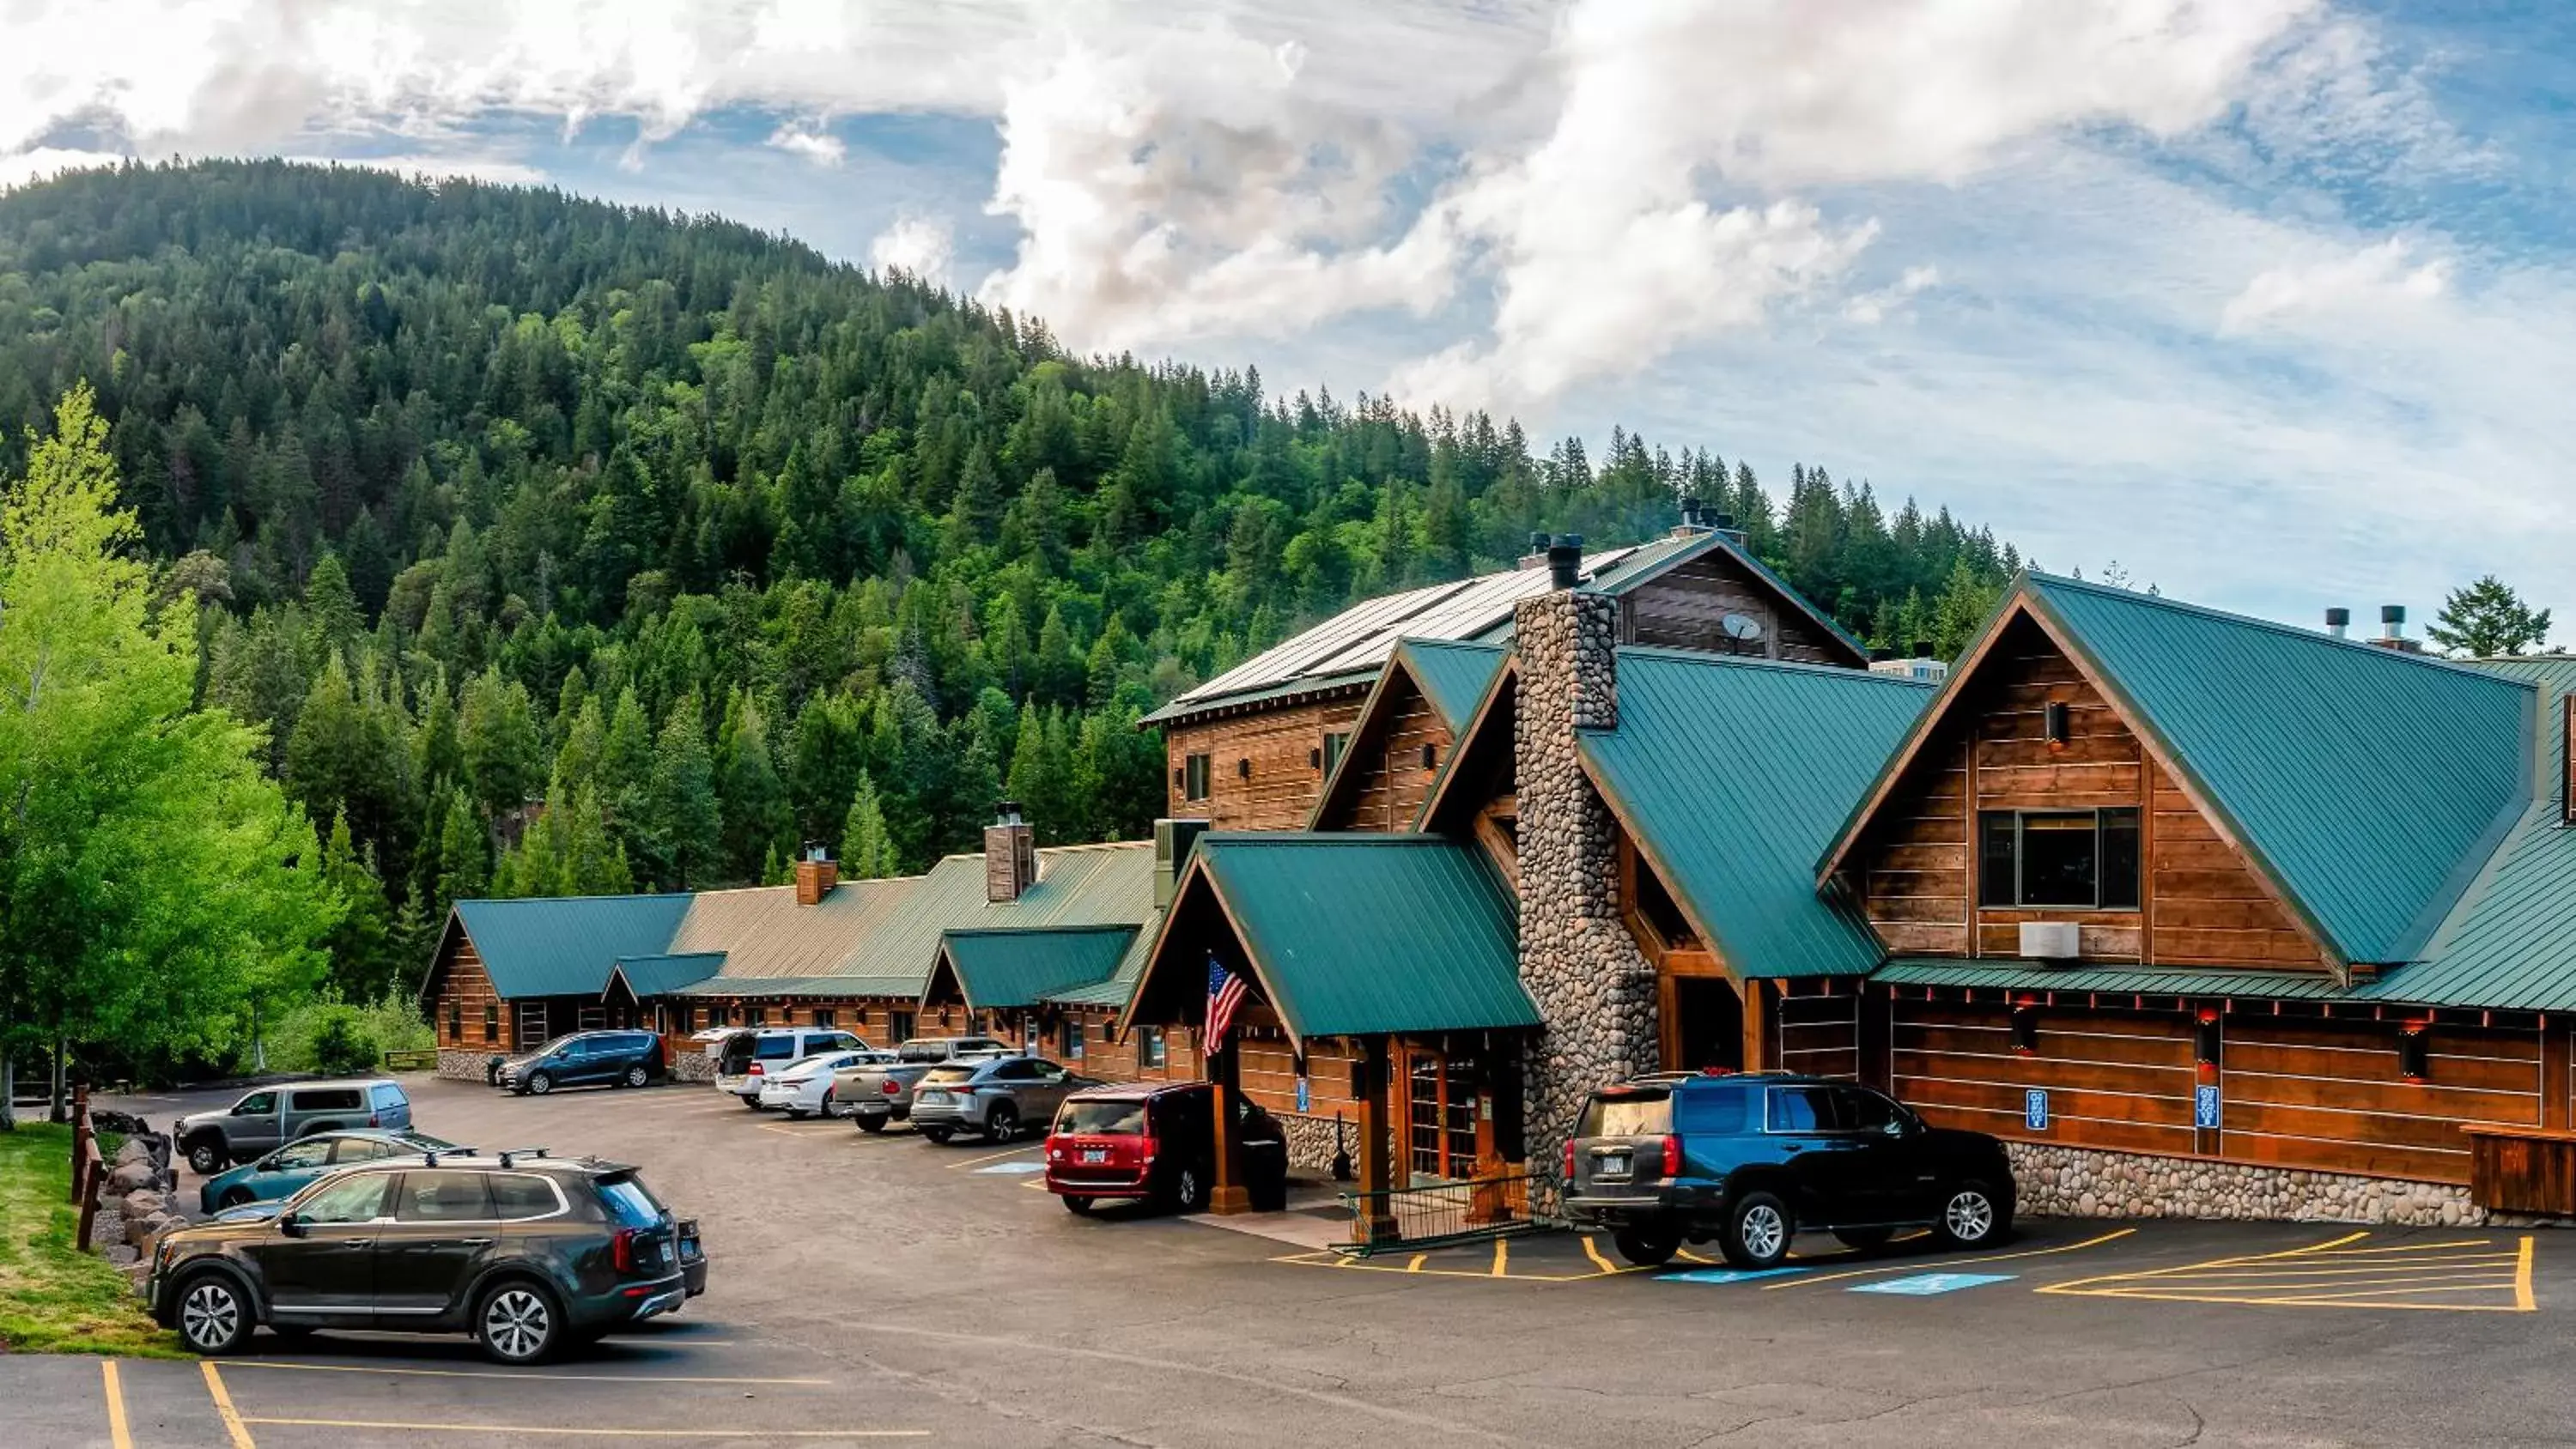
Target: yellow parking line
(995,1156)
(1687,1256)
(1921,1266)
(118,1436)
(1502,1257)
(431,1373)
(2396,1248)
(224,1408)
(2281,1292)
(2522,1278)
(728,1432)
(2181,1269)
(1415,1266)
(1592,1251)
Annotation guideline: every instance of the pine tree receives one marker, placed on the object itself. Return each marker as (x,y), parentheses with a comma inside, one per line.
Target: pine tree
(2488,619)
(754,803)
(867,851)
(681,819)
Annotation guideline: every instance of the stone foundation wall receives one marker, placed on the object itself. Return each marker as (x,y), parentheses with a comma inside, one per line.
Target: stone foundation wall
(463,1064)
(1594,990)
(693,1067)
(2078,1182)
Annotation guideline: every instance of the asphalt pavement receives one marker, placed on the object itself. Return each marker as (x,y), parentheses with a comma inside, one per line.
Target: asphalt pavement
(880,1289)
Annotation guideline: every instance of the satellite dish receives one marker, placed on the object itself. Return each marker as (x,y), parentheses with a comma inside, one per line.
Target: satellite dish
(1741,626)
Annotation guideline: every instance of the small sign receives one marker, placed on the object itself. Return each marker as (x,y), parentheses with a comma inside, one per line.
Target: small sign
(1925,1285)
(1726,1275)
(1305,1095)
(2204,1106)
(2034,1109)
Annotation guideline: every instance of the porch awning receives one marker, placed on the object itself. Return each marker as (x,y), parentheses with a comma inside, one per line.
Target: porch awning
(1345,935)
(646,977)
(1001,970)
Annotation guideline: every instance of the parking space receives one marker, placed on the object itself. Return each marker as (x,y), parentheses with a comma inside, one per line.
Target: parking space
(879,1288)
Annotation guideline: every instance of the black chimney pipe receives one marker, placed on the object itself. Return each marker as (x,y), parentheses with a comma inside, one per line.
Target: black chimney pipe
(2392,621)
(1539,542)
(1690,511)
(2338,621)
(1565,560)
(1922,648)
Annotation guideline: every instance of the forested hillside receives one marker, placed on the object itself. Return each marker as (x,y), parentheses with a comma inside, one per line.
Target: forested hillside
(491,496)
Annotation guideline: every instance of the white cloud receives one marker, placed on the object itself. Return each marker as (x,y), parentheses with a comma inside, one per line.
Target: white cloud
(47,162)
(818,146)
(2371,278)
(919,246)
(1869,308)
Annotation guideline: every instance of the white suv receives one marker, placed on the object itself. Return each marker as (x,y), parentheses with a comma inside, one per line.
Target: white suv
(747,1057)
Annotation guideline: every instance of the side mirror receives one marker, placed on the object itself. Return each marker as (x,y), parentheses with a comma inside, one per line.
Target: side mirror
(1896,1127)
(293,1225)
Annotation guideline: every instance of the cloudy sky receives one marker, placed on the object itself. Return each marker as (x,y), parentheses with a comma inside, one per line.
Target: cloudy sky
(2272,301)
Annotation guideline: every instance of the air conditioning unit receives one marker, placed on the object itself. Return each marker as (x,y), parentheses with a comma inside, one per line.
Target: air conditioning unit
(2050,941)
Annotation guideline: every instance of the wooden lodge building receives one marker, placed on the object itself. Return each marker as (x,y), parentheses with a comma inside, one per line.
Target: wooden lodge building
(2204,915)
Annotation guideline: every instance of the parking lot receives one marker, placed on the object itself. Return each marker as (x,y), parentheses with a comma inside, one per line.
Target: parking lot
(879,1288)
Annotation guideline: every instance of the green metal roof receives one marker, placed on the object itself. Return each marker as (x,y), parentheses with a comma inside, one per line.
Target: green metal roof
(1000,969)
(649,976)
(2372,783)
(1453,675)
(2510,941)
(1363,935)
(903,987)
(1732,775)
(2111,980)
(565,946)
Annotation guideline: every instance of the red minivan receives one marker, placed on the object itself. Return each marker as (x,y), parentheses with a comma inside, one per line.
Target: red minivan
(1149,1142)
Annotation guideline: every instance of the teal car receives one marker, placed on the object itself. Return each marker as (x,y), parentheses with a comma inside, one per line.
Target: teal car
(281,1172)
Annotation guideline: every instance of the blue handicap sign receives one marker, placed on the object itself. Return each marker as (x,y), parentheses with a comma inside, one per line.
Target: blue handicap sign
(2034,1109)
(1305,1096)
(1726,1275)
(1012,1167)
(2204,1107)
(1925,1285)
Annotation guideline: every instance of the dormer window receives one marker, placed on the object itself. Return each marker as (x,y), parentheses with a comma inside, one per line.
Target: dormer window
(2084,860)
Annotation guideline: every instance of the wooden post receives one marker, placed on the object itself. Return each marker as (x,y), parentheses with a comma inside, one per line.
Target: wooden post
(1376,1224)
(1761,1002)
(1228,1197)
(80,1138)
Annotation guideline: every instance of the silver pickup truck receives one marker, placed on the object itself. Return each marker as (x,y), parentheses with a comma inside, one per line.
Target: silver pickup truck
(877,1094)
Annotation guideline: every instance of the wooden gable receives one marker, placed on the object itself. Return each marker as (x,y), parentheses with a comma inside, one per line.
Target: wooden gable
(1687,605)
(1913,862)
(1395,751)
(1264,765)
(1475,793)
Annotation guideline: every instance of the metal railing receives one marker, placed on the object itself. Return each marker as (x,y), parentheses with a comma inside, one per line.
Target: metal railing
(1434,1214)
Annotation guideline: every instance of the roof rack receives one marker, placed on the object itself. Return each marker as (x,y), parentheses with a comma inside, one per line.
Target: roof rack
(508,1153)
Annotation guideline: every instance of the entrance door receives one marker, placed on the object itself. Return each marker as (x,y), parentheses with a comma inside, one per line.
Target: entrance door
(1440,1115)
(1710,1025)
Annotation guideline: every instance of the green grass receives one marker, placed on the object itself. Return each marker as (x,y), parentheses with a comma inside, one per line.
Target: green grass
(54,1298)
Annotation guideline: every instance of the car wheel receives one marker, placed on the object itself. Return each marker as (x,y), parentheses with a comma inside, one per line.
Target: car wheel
(1757,1232)
(1078,1206)
(1863,1240)
(1647,1247)
(1002,1123)
(936,1136)
(518,1323)
(1972,1216)
(1189,1191)
(541,1082)
(208,1157)
(797,1114)
(636,1076)
(872,1125)
(233,1197)
(214,1314)
(752,1102)
(831,1101)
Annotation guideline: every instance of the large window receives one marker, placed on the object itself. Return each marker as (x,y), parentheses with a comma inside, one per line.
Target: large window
(1194,777)
(2078,859)
(1335,741)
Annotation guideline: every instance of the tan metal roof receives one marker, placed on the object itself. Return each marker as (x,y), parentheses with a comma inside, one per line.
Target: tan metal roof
(763,932)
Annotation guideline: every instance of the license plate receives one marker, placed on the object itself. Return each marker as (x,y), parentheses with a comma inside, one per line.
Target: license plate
(1095,1154)
(934,1096)
(1611,1164)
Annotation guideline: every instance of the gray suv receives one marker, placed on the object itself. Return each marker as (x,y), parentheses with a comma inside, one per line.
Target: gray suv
(274,1116)
(994,1099)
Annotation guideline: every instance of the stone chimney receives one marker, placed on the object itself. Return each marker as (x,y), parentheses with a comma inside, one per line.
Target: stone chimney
(1010,855)
(816,874)
(1594,990)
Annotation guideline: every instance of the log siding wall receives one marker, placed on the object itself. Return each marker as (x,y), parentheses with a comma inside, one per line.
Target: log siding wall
(1282,746)
(1684,607)
(1385,781)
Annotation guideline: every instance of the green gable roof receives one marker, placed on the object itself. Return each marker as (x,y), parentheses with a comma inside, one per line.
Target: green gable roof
(1733,775)
(1003,969)
(2372,784)
(1362,935)
(650,976)
(566,946)
(1453,676)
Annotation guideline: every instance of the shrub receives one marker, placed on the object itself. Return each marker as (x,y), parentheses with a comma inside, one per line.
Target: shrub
(342,1046)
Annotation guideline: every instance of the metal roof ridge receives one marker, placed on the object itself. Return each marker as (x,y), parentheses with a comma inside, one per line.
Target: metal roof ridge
(1678,655)
(2463,667)
(1326,837)
(1040,930)
(559,900)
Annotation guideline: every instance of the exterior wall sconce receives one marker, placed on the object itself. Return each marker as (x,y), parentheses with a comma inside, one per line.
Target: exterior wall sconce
(2415,1051)
(2025,1028)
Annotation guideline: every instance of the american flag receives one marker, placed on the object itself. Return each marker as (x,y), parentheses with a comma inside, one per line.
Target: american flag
(1225,993)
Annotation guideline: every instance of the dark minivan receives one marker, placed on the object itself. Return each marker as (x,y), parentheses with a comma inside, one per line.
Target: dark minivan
(1750,1161)
(584,1059)
(1151,1142)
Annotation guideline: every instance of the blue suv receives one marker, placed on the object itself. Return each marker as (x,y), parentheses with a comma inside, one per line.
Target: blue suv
(1750,1161)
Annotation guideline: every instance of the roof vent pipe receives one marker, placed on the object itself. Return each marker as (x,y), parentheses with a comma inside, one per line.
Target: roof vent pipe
(2339,622)
(2392,621)
(1565,561)
(1922,648)
(1690,511)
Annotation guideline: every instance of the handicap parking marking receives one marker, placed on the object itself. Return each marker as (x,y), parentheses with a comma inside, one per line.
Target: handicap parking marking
(2475,1275)
(1725,1275)
(992,1156)
(1000,1168)
(1926,1285)
(1917,1265)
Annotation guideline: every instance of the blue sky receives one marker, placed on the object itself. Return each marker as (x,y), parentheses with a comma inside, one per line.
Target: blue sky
(2272,301)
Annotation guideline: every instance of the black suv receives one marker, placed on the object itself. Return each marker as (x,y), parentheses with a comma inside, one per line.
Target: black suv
(1752,1160)
(585,1058)
(524,1252)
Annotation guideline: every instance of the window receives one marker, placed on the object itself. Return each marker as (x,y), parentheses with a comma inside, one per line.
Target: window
(2079,859)
(758,1016)
(1149,1046)
(257,1104)
(592,1018)
(517,1195)
(1719,1110)
(1194,777)
(1335,741)
(899,1025)
(1627,1112)
(688,1018)
(388,1098)
(327,1099)
(1068,1038)
(442,1197)
(301,1155)
(629,1203)
(456,1021)
(351,1199)
(1862,1110)
(349,1150)
(1800,1109)
(491,1022)
(825,1016)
